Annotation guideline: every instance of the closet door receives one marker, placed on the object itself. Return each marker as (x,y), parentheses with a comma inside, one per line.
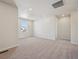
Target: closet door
(64,28)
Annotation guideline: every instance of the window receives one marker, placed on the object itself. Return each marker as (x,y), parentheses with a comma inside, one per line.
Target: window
(23,25)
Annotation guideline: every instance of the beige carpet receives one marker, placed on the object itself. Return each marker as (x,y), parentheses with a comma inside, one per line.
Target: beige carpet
(36,48)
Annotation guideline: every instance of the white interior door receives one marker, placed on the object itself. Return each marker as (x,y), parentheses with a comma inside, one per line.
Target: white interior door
(64,28)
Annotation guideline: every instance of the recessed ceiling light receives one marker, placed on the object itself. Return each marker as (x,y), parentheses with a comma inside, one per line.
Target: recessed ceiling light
(63,15)
(30,9)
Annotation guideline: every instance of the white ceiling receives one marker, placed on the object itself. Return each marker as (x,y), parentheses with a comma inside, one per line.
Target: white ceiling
(43,8)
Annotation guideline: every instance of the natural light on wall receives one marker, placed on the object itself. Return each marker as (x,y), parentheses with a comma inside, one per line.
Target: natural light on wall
(24,15)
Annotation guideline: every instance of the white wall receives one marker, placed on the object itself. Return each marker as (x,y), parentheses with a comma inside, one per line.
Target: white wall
(46,28)
(74,27)
(64,28)
(28,32)
(8,25)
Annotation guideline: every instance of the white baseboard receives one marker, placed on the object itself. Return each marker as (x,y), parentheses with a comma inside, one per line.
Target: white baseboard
(45,38)
(9,47)
(74,43)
